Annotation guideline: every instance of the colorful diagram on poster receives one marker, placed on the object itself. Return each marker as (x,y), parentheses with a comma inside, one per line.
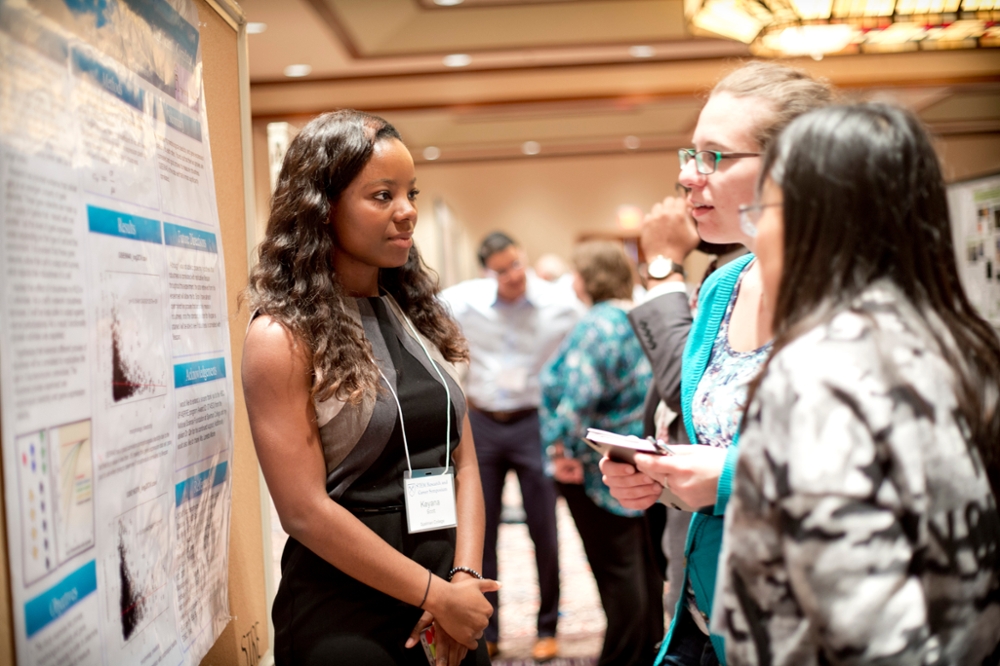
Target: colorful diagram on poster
(73,483)
(56,482)
(38,540)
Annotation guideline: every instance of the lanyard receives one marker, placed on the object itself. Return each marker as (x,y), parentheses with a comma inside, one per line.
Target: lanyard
(447,392)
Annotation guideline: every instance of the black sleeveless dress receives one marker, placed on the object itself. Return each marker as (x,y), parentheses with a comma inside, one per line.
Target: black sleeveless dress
(323,616)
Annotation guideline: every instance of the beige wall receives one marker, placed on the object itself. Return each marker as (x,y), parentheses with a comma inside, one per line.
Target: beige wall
(547,202)
(968,156)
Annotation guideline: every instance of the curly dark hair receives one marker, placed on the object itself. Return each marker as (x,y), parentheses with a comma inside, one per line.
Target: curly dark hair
(294,280)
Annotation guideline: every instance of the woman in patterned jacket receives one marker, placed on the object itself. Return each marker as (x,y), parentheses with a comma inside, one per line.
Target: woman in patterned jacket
(863,525)
(598,379)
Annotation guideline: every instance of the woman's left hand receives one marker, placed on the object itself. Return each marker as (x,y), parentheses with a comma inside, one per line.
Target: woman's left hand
(567,470)
(425,621)
(449,651)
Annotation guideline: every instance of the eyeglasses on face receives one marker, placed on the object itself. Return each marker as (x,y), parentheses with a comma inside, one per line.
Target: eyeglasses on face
(750,216)
(505,272)
(707,161)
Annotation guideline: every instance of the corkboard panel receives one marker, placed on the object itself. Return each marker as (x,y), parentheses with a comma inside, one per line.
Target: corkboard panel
(6,603)
(245,639)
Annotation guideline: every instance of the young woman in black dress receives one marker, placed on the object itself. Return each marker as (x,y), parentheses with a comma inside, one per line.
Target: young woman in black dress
(349,384)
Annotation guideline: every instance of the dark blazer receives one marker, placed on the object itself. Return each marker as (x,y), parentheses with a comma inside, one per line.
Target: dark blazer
(662,326)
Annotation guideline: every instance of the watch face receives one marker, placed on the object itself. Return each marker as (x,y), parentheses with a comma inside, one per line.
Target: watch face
(659,268)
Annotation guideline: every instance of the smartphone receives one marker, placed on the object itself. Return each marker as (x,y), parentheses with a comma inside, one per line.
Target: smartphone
(622,448)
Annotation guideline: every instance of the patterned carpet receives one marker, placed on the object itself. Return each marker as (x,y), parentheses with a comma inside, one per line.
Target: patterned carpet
(581,618)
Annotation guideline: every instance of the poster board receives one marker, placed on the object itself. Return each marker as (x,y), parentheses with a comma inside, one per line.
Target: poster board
(975,215)
(224,66)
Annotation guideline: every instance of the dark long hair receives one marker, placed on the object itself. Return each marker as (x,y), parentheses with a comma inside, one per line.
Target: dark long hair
(864,200)
(294,281)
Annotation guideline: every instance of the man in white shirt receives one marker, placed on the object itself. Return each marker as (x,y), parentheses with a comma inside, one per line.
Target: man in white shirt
(513,321)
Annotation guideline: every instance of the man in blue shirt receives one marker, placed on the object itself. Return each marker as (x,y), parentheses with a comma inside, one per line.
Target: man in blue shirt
(514,321)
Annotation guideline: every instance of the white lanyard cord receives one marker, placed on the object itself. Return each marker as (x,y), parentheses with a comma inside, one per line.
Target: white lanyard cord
(447,392)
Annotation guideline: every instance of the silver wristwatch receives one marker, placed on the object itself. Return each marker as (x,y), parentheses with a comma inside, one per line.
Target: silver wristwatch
(661,267)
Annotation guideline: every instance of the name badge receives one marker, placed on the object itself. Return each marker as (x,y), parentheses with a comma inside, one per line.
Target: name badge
(429,496)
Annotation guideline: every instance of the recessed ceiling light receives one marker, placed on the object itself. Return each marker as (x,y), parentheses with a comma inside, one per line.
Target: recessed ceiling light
(457,60)
(632,142)
(448,3)
(431,153)
(256,28)
(641,51)
(296,71)
(531,147)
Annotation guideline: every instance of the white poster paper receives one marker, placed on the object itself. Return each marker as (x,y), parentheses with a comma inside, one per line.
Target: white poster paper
(975,216)
(117,390)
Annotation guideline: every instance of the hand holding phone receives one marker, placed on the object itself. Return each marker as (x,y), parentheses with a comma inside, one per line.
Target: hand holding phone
(623,448)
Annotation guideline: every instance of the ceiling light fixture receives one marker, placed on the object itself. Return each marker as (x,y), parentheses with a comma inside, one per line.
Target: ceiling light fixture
(531,147)
(822,27)
(298,71)
(448,3)
(457,60)
(629,217)
(256,28)
(641,51)
(431,153)
(632,142)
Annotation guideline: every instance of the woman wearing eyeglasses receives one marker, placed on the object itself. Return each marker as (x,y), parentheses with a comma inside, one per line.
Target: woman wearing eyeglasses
(863,524)
(728,339)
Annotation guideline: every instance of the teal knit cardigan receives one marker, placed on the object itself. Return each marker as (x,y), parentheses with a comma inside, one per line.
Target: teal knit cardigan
(704,539)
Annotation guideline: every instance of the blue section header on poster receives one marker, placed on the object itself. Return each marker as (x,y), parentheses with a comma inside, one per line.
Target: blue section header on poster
(54,602)
(194,486)
(159,14)
(198,372)
(107,78)
(190,239)
(182,122)
(124,225)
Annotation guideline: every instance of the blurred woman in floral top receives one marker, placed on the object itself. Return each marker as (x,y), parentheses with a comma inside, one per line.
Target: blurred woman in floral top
(598,379)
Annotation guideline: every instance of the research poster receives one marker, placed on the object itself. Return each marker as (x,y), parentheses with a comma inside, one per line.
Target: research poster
(117,392)
(975,217)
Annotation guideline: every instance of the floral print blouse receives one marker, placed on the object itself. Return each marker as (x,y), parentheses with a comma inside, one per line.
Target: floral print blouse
(598,378)
(721,395)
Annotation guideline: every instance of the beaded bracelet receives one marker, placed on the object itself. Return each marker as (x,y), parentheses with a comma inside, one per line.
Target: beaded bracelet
(472,572)
(428,589)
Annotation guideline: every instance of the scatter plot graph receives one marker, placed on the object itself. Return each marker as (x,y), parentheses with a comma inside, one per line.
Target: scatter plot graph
(38,535)
(132,331)
(73,485)
(137,570)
